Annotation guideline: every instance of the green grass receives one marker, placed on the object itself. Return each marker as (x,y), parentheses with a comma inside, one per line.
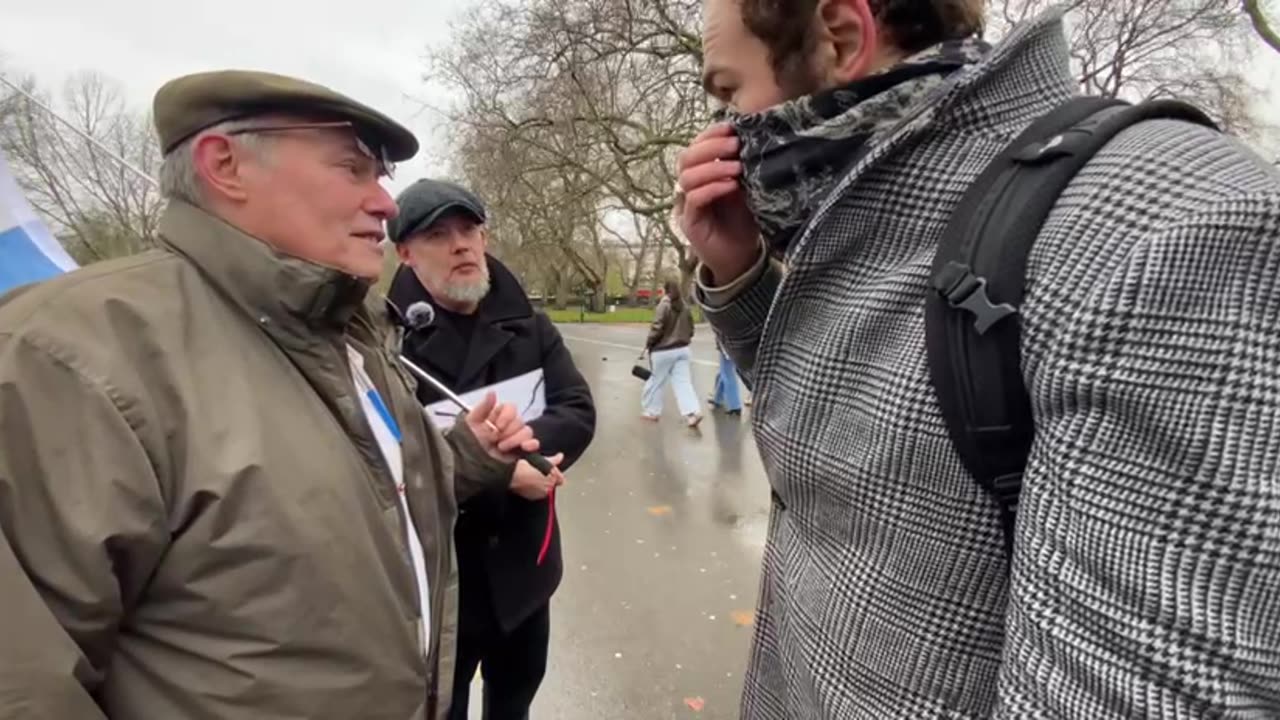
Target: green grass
(621,315)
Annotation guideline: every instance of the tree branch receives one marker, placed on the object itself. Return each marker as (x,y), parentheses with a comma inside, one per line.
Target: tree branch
(1261,25)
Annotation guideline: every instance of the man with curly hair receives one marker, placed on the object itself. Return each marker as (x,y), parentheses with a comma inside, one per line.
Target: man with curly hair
(1142,575)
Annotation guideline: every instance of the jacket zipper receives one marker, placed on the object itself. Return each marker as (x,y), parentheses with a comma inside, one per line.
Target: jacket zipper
(443,552)
(388,477)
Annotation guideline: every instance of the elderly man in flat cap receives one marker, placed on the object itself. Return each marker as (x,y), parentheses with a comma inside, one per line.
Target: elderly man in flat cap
(218,495)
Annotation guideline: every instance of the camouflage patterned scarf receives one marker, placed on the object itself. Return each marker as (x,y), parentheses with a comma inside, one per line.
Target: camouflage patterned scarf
(794,153)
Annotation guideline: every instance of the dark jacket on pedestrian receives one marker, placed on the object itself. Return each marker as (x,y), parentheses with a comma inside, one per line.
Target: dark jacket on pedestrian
(1145,577)
(672,326)
(499,533)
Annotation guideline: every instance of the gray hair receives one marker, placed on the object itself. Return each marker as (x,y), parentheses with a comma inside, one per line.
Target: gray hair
(178,177)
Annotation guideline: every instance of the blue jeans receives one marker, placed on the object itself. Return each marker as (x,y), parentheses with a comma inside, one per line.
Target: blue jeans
(670,366)
(727,395)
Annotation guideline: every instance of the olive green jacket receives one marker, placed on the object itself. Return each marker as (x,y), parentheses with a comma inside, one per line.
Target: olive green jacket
(195,518)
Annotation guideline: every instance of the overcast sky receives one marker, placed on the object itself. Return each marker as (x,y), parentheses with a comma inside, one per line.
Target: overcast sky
(369,49)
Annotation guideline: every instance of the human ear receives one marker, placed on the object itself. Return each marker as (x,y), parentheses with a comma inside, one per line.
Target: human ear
(848,30)
(219,167)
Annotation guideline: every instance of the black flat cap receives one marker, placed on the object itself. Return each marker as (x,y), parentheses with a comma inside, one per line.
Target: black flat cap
(426,201)
(189,104)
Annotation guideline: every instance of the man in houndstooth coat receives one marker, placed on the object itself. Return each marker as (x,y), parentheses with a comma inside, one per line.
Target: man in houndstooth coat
(1145,576)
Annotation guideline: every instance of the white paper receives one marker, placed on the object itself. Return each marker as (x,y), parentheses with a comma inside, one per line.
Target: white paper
(526,392)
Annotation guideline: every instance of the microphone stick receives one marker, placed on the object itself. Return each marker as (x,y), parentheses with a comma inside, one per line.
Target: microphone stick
(538,461)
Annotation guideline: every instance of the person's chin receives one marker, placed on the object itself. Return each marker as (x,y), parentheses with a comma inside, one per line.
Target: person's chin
(366,268)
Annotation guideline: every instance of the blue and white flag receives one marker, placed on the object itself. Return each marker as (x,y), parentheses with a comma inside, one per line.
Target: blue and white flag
(28,251)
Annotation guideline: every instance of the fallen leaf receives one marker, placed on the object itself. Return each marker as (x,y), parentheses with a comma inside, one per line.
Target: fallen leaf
(743,618)
(660,510)
(696,703)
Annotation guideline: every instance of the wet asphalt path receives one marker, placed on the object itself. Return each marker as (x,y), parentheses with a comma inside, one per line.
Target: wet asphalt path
(663,528)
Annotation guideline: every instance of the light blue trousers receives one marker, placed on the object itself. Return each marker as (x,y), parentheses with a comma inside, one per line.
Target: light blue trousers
(672,366)
(727,395)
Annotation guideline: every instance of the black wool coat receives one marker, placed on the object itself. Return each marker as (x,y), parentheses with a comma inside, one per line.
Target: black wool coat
(499,534)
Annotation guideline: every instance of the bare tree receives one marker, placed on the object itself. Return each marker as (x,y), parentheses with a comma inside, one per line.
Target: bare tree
(8,99)
(1261,24)
(1194,50)
(570,112)
(99,207)
(605,92)
(546,216)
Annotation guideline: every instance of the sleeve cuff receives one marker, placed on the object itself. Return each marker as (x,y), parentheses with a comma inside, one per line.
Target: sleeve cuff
(472,460)
(717,297)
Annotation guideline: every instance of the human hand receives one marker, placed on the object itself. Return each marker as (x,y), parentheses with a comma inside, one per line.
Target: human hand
(529,483)
(711,208)
(500,430)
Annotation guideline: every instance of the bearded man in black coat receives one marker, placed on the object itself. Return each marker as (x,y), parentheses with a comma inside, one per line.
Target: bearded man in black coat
(481,333)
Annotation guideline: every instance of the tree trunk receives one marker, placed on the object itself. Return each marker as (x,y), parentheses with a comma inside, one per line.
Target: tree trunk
(564,290)
(688,265)
(656,282)
(597,298)
(637,273)
(555,288)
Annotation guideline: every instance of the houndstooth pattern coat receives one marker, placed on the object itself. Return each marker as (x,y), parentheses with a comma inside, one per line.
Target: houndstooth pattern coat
(1146,577)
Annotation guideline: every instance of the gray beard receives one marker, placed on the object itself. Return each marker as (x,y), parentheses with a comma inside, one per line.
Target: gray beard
(471,292)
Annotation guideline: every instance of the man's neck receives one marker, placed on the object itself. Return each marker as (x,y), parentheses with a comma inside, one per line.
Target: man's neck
(885,58)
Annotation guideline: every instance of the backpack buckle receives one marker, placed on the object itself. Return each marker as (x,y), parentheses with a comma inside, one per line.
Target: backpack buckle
(965,291)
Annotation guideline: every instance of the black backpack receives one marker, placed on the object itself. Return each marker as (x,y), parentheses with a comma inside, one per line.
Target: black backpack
(971,320)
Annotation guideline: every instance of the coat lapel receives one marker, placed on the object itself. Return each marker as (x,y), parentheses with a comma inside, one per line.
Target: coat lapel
(441,350)
(489,340)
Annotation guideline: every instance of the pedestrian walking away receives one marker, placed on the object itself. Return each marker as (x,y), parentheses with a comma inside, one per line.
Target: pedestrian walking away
(668,349)
(726,395)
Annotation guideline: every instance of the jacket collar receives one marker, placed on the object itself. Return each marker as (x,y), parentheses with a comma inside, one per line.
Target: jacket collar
(1023,77)
(506,299)
(292,299)
(441,347)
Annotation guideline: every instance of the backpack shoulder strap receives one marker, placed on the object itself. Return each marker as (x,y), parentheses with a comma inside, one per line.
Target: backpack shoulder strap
(978,277)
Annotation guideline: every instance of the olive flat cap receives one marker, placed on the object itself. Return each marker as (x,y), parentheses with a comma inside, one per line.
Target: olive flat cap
(186,105)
